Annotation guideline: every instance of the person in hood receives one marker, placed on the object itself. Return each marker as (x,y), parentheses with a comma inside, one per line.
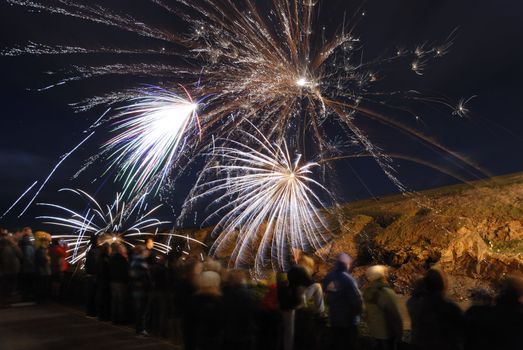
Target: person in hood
(382,312)
(345,303)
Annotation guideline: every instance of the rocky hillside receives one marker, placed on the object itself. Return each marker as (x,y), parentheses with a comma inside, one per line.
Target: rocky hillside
(474,232)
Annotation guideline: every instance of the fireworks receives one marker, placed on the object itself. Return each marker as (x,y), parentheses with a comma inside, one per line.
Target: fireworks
(277,68)
(119,222)
(268,207)
(274,72)
(150,134)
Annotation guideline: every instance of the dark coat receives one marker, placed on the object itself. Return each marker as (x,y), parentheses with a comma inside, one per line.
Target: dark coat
(343,297)
(118,268)
(437,323)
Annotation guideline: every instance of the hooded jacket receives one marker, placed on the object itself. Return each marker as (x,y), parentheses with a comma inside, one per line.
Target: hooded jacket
(343,297)
(382,311)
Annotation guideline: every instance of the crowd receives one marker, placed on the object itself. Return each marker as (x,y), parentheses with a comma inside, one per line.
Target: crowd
(209,307)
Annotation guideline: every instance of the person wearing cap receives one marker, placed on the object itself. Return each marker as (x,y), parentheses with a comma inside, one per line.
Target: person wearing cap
(345,303)
(382,310)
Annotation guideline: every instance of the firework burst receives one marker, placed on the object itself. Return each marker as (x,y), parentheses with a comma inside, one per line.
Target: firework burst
(149,136)
(118,222)
(267,206)
(275,72)
(278,68)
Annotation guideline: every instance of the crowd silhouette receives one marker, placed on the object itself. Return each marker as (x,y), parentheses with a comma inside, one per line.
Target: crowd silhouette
(204,306)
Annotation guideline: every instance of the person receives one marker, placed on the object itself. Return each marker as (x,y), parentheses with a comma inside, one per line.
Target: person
(157,303)
(270,317)
(240,319)
(10,262)
(91,263)
(207,312)
(103,284)
(437,322)
(309,320)
(151,255)
(345,303)
(140,284)
(479,321)
(119,277)
(42,263)
(508,314)
(27,269)
(185,284)
(382,312)
(58,255)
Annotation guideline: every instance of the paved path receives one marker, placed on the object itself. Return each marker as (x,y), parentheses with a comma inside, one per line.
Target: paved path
(55,327)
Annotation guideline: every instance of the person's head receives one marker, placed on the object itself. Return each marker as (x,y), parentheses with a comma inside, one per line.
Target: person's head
(27,231)
(93,241)
(376,272)
(42,239)
(435,281)
(308,263)
(106,249)
(236,278)
(115,248)
(480,296)
(511,291)
(149,243)
(209,283)
(212,265)
(343,262)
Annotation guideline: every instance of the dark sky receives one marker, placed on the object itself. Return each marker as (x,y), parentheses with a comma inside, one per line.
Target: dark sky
(485,60)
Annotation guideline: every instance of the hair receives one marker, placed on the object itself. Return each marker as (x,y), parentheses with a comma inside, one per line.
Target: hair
(139,249)
(376,272)
(435,281)
(209,281)
(308,263)
(236,278)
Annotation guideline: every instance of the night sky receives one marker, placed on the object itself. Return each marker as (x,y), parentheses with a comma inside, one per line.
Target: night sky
(485,60)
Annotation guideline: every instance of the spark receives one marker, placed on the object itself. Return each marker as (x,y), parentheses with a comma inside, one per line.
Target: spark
(461,109)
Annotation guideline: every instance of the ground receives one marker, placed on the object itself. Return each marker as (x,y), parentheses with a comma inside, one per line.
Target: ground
(54,327)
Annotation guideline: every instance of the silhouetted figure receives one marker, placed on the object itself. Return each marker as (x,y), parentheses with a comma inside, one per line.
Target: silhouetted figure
(27,270)
(241,313)
(382,312)
(119,276)
(91,263)
(140,284)
(103,284)
(437,322)
(157,303)
(206,319)
(309,323)
(58,254)
(185,285)
(345,303)
(270,317)
(10,261)
(479,321)
(508,314)
(42,262)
